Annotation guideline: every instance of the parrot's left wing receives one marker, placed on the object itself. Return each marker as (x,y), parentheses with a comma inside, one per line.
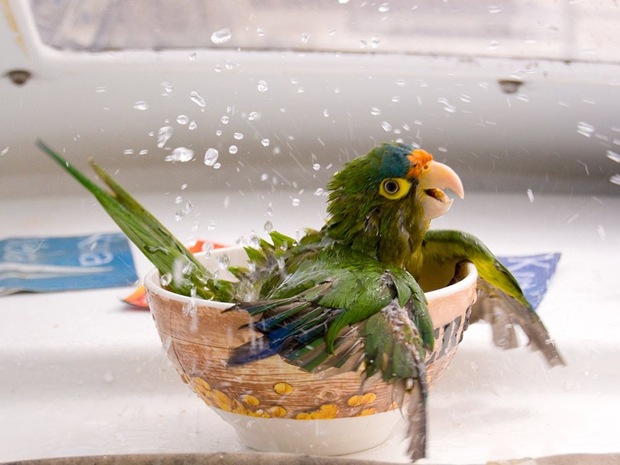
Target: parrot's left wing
(501,301)
(339,310)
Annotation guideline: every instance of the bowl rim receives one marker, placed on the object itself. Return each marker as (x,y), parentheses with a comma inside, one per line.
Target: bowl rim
(151,282)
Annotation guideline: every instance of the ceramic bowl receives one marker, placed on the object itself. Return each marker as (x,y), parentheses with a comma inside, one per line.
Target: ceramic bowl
(275,406)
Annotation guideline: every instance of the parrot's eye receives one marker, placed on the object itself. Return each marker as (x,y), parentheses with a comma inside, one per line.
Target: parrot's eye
(394,188)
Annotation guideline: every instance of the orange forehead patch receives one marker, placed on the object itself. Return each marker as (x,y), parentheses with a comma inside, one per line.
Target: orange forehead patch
(419,160)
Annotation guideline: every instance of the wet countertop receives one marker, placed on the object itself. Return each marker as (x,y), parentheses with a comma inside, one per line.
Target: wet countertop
(81,374)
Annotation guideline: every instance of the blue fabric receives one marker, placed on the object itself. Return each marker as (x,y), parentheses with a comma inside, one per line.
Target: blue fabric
(533,272)
(42,264)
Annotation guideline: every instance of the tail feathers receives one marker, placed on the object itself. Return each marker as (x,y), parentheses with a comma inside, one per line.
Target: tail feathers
(504,313)
(394,348)
(416,417)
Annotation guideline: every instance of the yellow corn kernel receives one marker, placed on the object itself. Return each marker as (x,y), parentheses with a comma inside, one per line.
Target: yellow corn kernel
(283,388)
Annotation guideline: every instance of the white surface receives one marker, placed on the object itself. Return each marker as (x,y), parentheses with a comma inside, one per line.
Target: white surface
(81,374)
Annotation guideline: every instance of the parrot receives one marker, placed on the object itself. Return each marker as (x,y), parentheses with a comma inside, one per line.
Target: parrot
(346,296)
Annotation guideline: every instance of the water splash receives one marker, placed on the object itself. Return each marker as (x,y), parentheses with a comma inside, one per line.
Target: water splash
(211,156)
(166,89)
(165,279)
(221,37)
(613,156)
(181,154)
(197,99)
(163,135)
(530,195)
(183,119)
(585,129)
(141,105)
(387,127)
(265,142)
(233,149)
(262,86)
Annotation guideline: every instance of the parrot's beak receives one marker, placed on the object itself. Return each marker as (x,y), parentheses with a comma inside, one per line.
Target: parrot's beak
(432,180)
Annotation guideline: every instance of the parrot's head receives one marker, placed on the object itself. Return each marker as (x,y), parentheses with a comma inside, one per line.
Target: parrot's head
(390,194)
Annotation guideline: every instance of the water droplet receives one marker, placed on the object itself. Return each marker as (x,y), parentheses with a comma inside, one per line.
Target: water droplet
(165,279)
(192,126)
(233,149)
(270,210)
(4,151)
(615,179)
(384,8)
(100,89)
(192,56)
(128,152)
(374,111)
(238,135)
(181,154)
(264,177)
(494,9)
(387,127)
(166,89)
(295,202)
(221,37)
(265,142)
(316,166)
(253,115)
(197,99)
(268,226)
(163,135)
(305,37)
(530,195)
(225,119)
(262,86)
(141,105)
(601,232)
(211,156)
(446,105)
(183,119)
(611,155)
(396,99)
(260,31)
(223,262)
(326,113)
(585,129)
(319,191)
(143,152)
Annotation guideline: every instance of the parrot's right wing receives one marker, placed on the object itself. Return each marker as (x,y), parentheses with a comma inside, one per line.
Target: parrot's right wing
(501,301)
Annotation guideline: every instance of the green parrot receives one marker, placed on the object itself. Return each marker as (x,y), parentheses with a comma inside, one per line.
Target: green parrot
(346,296)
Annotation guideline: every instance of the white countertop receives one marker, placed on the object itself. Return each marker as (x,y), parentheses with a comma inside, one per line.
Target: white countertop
(82,374)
